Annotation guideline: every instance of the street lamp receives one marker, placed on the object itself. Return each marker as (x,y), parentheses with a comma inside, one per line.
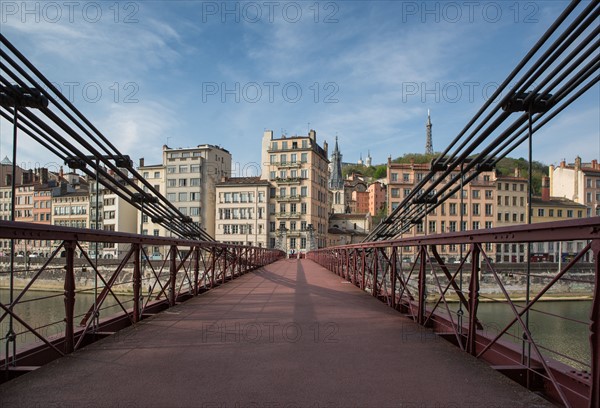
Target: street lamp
(16,97)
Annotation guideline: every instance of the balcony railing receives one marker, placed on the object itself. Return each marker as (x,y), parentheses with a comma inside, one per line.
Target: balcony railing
(288,215)
(287,165)
(289,180)
(288,198)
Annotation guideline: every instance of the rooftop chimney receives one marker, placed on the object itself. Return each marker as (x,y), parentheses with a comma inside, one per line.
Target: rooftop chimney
(312,135)
(595,164)
(545,188)
(141,162)
(517,172)
(551,176)
(563,163)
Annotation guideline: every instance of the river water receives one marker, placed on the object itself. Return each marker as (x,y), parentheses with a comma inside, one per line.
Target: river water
(569,337)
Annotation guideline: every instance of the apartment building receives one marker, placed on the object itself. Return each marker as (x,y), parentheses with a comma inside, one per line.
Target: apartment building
(241,211)
(297,168)
(511,209)
(187,177)
(546,208)
(377,197)
(155,174)
(110,212)
(472,209)
(579,182)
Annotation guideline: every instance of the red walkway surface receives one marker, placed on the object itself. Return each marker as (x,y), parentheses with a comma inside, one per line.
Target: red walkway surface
(289,335)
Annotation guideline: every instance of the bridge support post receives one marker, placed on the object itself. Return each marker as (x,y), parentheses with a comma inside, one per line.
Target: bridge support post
(172,274)
(473,300)
(69,297)
(137,283)
(595,330)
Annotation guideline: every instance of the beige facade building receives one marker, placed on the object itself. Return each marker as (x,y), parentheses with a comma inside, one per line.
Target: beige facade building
(297,168)
(511,209)
(113,214)
(241,212)
(547,209)
(579,182)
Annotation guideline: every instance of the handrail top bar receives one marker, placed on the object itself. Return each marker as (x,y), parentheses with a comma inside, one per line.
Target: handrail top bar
(28,230)
(568,230)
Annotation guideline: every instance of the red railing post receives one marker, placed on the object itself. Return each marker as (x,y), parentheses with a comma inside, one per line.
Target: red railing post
(213,264)
(69,297)
(393,272)
(347,255)
(473,300)
(375,271)
(355,265)
(172,274)
(422,286)
(595,330)
(137,283)
(363,267)
(196,269)
(224,254)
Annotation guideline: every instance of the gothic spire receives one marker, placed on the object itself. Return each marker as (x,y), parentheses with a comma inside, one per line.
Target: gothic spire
(336,182)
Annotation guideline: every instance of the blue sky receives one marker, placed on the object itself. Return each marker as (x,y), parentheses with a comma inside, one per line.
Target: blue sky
(191,72)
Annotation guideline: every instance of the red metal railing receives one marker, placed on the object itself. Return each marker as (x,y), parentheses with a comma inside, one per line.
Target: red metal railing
(124,291)
(448,298)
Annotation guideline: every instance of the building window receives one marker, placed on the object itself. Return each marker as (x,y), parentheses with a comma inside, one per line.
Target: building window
(489,210)
(432,226)
(569,213)
(394,176)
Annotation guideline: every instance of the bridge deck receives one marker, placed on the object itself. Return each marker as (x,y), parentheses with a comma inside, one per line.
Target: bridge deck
(289,335)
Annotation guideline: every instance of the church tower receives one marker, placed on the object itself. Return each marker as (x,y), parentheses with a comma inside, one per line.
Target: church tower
(336,181)
(429,141)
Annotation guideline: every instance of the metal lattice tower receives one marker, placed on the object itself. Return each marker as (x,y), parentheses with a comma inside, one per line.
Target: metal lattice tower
(429,141)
